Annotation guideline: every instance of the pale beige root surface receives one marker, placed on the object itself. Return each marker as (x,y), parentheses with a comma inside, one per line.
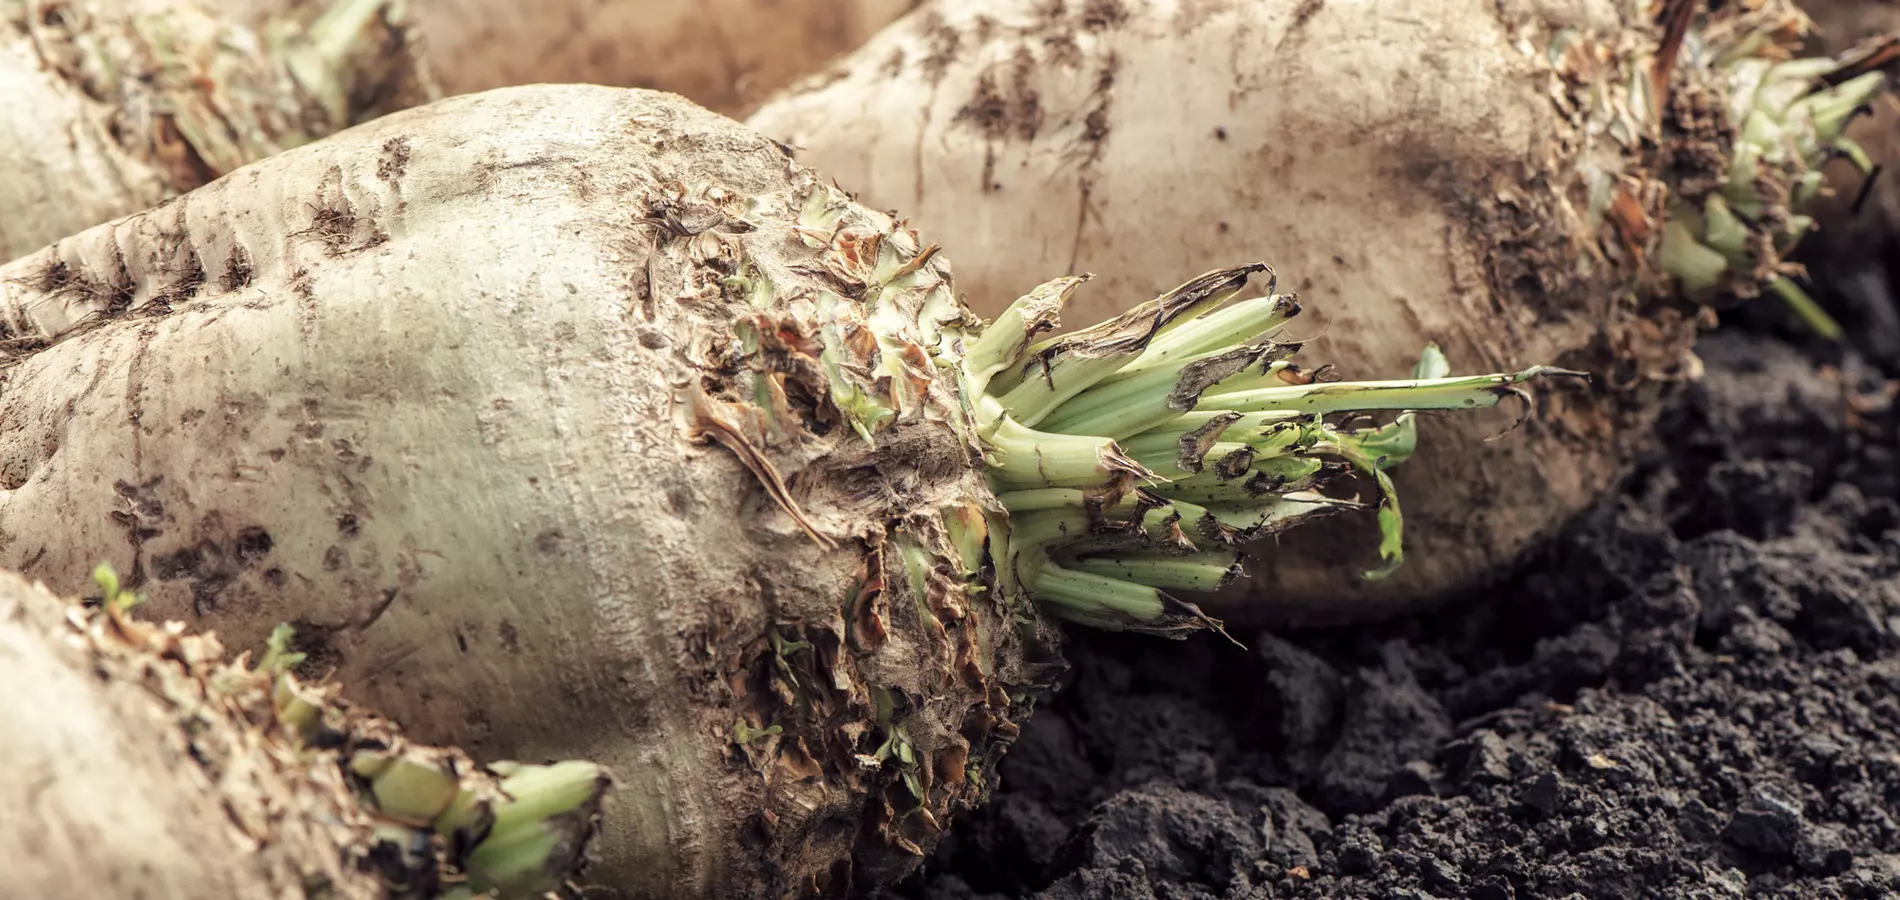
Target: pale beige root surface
(432,402)
(1858,250)
(1402,166)
(105,798)
(726,55)
(110,107)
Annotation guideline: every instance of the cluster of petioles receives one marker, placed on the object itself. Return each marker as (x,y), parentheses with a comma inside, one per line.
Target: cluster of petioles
(1786,119)
(1138,458)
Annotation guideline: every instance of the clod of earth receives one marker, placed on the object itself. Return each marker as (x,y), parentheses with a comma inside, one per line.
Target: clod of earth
(577,422)
(1523,183)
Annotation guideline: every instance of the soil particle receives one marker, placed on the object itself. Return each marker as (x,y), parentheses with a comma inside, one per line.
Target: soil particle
(237,269)
(1098,15)
(1695,693)
(943,44)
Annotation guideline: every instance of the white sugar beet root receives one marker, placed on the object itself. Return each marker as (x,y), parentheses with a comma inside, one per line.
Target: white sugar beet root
(419,403)
(1489,177)
(578,422)
(142,761)
(726,55)
(112,107)
(115,799)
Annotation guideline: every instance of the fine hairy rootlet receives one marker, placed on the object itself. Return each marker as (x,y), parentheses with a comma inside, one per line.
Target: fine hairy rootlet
(578,422)
(1542,181)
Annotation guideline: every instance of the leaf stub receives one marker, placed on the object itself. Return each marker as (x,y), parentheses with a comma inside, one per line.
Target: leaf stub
(1195,444)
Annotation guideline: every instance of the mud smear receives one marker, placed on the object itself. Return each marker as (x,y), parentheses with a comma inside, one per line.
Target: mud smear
(1696,693)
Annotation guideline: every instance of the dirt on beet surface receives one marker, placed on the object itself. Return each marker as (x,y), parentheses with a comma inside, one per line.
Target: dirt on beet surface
(1694,694)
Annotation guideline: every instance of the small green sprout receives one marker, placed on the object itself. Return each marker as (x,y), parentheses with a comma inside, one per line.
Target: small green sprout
(278,656)
(746,734)
(115,597)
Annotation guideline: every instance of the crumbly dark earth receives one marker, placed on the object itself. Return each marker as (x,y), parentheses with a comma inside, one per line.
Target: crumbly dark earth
(1695,694)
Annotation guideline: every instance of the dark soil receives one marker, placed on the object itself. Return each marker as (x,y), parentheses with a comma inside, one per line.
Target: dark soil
(1694,694)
